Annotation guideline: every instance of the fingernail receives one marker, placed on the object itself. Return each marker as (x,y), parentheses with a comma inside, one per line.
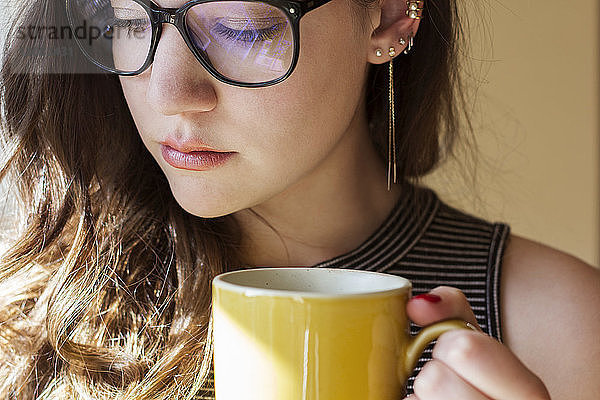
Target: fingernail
(432,298)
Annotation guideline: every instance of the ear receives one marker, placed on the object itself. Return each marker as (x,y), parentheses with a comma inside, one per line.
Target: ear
(398,19)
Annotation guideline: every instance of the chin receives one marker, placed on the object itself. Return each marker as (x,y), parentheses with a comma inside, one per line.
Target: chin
(212,198)
(201,202)
(204,210)
(203,206)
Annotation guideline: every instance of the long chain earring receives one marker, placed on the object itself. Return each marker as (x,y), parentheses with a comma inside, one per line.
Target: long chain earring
(414,11)
(392,171)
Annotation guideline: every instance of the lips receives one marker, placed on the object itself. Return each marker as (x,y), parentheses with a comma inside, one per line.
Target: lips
(202,160)
(190,154)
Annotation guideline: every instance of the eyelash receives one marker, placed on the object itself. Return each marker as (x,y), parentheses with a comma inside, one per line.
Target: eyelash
(247,36)
(133,25)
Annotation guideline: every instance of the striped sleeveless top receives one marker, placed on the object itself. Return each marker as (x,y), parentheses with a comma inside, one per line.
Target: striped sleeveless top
(432,244)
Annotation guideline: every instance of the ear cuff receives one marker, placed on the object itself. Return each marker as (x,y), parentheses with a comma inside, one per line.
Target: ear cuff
(414,9)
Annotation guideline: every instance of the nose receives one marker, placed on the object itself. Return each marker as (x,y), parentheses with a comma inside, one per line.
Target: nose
(178,83)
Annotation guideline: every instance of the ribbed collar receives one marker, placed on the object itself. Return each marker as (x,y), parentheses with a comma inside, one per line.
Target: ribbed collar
(394,238)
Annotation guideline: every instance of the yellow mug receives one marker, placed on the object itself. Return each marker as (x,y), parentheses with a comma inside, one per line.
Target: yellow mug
(314,334)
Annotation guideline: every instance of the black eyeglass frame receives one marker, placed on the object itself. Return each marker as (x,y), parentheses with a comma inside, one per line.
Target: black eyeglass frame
(294,10)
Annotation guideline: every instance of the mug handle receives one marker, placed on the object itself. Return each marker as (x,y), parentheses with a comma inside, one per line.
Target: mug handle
(417,343)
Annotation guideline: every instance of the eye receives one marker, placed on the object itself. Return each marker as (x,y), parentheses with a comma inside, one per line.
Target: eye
(127,27)
(253,31)
(132,25)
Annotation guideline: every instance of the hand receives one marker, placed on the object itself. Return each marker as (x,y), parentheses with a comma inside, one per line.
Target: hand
(468,365)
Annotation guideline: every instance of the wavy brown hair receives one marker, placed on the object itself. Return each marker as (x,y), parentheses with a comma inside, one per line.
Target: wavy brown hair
(105,293)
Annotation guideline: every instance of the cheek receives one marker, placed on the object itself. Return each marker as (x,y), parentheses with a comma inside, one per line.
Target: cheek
(130,91)
(134,90)
(315,105)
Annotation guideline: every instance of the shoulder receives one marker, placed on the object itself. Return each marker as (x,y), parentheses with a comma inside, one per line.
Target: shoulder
(550,304)
(537,276)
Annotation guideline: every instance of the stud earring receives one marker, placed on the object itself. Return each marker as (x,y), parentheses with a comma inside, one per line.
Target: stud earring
(402,41)
(415,9)
(392,52)
(378,52)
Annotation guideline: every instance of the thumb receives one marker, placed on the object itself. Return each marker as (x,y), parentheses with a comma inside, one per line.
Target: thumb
(441,303)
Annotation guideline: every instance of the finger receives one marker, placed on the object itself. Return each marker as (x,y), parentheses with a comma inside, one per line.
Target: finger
(488,365)
(437,381)
(411,397)
(452,303)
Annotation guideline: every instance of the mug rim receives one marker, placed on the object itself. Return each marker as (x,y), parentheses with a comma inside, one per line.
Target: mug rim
(220,281)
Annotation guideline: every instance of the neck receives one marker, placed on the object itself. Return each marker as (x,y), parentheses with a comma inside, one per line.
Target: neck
(330,211)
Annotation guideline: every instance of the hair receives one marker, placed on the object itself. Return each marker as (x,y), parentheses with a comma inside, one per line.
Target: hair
(106,291)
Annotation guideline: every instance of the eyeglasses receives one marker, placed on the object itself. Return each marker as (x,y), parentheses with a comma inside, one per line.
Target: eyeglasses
(244,43)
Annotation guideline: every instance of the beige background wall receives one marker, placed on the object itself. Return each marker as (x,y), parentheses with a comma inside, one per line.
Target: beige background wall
(536,121)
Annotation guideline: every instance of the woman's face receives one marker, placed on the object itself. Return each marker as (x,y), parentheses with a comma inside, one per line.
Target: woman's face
(278,135)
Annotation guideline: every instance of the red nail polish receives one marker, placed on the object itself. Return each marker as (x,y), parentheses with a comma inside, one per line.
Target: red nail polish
(432,298)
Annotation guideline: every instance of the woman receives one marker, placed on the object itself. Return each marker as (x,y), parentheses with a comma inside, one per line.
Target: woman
(140,188)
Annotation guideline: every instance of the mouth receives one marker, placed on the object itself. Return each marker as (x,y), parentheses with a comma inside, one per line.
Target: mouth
(198,159)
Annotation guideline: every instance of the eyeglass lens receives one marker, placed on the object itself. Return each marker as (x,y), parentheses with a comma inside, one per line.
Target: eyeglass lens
(244,41)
